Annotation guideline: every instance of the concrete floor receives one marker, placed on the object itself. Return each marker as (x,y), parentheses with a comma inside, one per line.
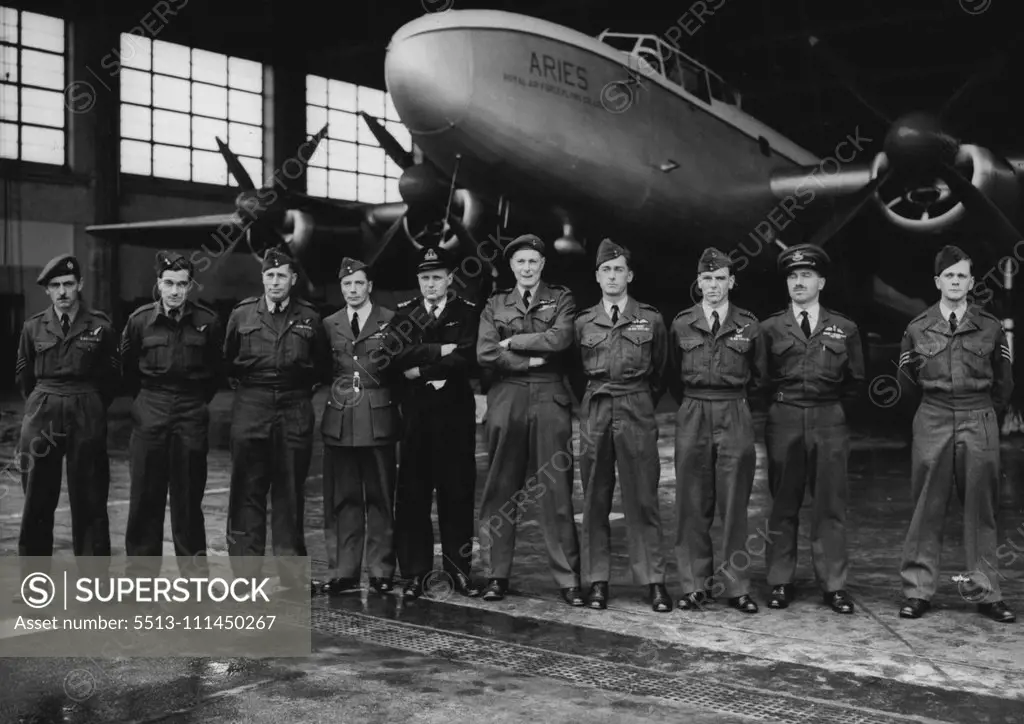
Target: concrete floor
(625,664)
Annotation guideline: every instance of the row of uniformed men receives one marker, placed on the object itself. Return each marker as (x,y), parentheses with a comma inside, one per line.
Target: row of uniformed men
(807,359)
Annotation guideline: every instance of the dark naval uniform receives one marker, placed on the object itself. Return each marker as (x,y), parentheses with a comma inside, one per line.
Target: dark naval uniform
(714,446)
(529,425)
(965,375)
(68,379)
(438,430)
(360,426)
(806,436)
(172,364)
(625,361)
(277,359)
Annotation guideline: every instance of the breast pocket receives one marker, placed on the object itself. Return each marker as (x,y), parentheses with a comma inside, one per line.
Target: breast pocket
(195,350)
(978,358)
(508,323)
(84,352)
(636,351)
(383,415)
(156,355)
(250,342)
(594,352)
(693,354)
(544,317)
(931,360)
(734,356)
(46,357)
(835,355)
(298,344)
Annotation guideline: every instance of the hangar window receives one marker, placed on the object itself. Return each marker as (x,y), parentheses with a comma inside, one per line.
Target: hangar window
(32,81)
(176,101)
(350,164)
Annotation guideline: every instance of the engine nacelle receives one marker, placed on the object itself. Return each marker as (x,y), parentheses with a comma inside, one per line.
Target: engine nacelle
(931,206)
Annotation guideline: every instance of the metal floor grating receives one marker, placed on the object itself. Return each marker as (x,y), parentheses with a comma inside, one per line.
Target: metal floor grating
(618,680)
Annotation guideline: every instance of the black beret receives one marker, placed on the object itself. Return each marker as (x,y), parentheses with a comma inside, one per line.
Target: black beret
(172,261)
(351,266)
(713,259)
(609,250)
(804,256)
(433,258)
(947,257)
(275,258)
(59,266)
(527,241)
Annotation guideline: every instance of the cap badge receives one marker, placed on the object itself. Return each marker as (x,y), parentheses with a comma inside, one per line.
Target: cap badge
(431,255)
(70,264)
(798,256)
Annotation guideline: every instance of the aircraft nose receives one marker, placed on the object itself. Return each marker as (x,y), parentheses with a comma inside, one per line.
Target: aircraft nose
(428,70)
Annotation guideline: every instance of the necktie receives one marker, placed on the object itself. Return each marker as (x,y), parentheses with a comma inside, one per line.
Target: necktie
(433,311)
(65,323)
(355,325)
(615,313)
(805,324)
(526,298)
(715,325)
(952,322)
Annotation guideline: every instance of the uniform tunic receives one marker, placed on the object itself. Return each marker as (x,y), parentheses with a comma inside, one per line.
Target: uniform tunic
(807,440)
(966,379)
(529,428)
(714,445)
(625,366)
(68,381)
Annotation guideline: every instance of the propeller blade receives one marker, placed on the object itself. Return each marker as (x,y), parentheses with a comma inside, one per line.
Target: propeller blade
(388,142)
(841,219)
(212,221)
(467,240)
(313,144)
(847,75)
(238,234)
(388,236)
(977,203)
(988,69)
(235,167)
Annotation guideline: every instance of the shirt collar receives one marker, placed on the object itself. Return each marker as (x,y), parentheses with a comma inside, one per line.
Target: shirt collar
(960,310)
(72,315)
(533,291)
(361,311)
(441,303)
(621,305)
(285,303)
(813,312)
(723,311)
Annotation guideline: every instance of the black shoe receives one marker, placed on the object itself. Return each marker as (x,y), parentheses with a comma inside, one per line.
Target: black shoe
(914,608)
(573,596)
(414,588)
(598,597)
(382,585)
(744,603)
(496,589)
(782,596)
(337,586)
(464,585)
(661,602)
(695,601)
(316,586)
(997,611)
(839,601)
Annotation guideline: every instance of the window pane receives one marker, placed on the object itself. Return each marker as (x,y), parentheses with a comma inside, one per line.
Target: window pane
(171,162)
(245,140)
(245,74)
(209,100)
(342,185)
(371,100)
(209,67)
(42,145)
(41,31)
(315,119)
(391,169)
(9,25)
(255,168)
(371,189)
(43,107)
(391,194)
(136,52)
(320,157)
(316,90)
(341,96)
(205,132)
(170,128)
(135,86)
(9,63)
(400,133)
(8,102)
(344,126)
(209,168)
(316,181)
(42,69)
(342,156)
(363,134)
(136,122)
(135,157)
(8,140)
(171,93)
(245,107)
(371,160)
(171,59)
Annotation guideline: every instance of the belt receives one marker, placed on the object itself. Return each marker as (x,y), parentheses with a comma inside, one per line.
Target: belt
(531,377)
(616,388)
(710,394)
(66,387)
(196,388)
(963,402)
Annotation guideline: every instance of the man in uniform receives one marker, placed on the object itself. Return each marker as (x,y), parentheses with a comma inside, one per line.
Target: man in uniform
(623,344)
(171,357)
(717,354)
(275,348)
(68,370)
(958,355)
(433,346)
(525,333)
(815,363)
(360,427)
